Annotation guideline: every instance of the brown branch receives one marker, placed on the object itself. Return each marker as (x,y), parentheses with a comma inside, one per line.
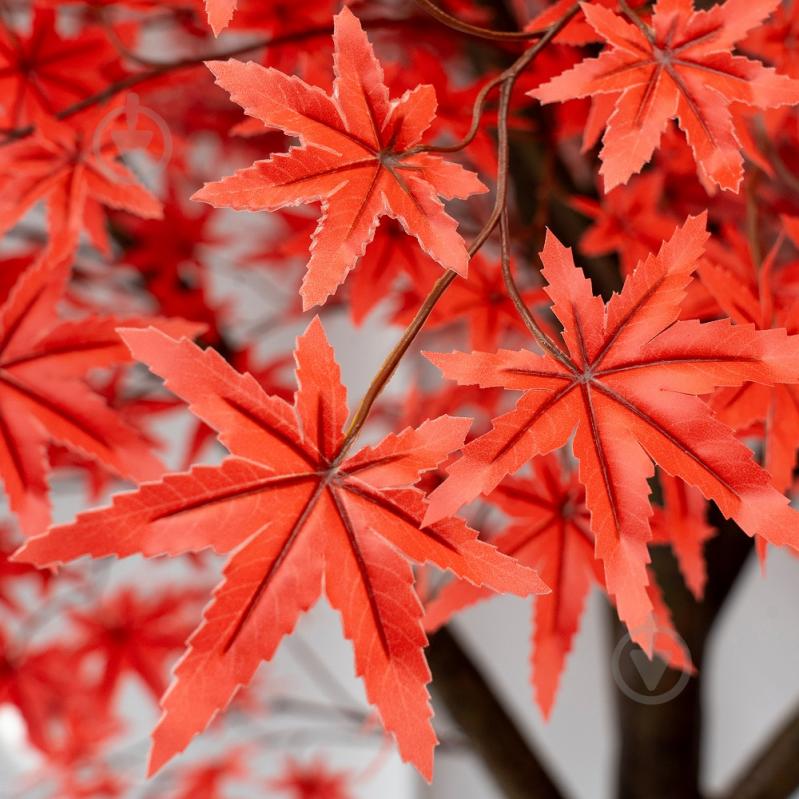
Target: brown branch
(450,21)
(752,219)
(774,771)
(472,703)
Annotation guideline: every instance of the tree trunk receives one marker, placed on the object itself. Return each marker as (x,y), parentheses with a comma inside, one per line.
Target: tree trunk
(660,749)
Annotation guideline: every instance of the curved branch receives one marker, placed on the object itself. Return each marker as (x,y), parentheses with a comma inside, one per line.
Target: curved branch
(512,761)
(158,70)
(774,772)
(475,30)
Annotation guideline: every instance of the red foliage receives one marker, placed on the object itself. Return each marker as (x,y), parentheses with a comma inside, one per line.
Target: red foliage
(654,388)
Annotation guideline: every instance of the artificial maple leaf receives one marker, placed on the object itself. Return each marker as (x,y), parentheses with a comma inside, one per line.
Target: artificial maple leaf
(271,379)
(577,31)
(278,17)
(679,67)
(220,12)
(100,783)
(43,397)
(391,254)
(136,410)
(746,293)
(775,43)
(11,268)
(64,714)
(551,533)
(628,221)
(452,99)
(624,380)
(73,167)
(551,530)
(313,780)
(170,254)
(357,157)
(10,572)
(135,634)
(209,779)
(42,73)
(295,513)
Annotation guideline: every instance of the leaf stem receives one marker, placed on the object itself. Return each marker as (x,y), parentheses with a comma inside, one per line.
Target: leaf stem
(477,115)
(544,341)
(637,21)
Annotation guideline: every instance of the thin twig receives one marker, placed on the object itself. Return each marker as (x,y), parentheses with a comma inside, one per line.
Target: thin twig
(636,20)
(169,67)
(752,221)
(774,772)
(544,341)
(475,30)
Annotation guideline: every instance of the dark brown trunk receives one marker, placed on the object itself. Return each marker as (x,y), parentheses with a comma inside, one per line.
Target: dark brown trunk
(660,748)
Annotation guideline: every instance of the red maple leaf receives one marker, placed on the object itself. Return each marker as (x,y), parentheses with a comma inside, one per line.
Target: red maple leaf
(357,157)
(296,514)
(170,254)
(209,779)
(450,122)
(136,409)
(11,572)
(135,634)
(314,780)
(64,714)
(269,375)
(100,783)
(279,17)
(44,398)
(390,255)
(551,533)
(42,73)
(628,221)
(746,292)
(74,168)
(577,31)
(551,530)
(625,381)
(220,12)
(679,67)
